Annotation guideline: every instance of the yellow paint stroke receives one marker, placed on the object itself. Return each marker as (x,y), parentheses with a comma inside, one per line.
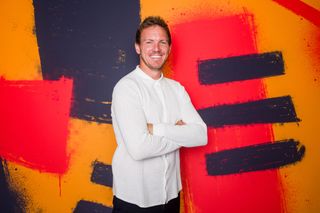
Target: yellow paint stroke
(50,193)
(290,34)
(286,32)
(19,56)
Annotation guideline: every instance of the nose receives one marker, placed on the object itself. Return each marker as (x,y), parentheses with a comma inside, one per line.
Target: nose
(156,47)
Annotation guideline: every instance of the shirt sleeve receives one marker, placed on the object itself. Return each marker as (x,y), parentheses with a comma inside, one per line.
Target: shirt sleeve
(194,133)
(132,124)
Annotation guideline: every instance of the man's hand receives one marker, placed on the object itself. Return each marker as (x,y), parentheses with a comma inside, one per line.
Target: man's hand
(180,123)
(150,128)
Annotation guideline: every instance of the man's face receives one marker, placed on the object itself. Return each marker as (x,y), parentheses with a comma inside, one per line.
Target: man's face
(153,48)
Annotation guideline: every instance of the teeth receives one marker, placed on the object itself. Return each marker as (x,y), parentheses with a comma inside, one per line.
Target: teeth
(156,56)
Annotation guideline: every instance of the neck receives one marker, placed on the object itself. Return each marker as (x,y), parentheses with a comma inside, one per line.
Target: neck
(154,74)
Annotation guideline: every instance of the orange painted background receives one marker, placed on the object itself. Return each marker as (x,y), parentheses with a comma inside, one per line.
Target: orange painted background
(291,27)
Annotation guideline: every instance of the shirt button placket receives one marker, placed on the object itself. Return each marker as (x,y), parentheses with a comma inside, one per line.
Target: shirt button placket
(164,119)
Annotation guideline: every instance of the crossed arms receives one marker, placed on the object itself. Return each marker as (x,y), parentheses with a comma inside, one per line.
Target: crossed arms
(150,126)
(145,140)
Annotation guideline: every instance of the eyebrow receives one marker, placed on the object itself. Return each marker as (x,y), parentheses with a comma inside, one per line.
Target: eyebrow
(149,39)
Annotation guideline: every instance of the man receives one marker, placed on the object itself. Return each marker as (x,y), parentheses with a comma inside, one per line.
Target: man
(152,118)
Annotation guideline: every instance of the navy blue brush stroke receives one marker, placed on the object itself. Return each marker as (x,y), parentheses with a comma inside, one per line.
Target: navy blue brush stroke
(84,206)
(10,201)
(255,157)
(271,110)
(102,174)
(238,68)
(91,41)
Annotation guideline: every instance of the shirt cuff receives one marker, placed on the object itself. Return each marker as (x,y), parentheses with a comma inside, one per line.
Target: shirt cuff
(159,129)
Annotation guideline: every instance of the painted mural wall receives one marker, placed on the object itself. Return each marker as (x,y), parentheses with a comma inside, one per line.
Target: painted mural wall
(252,69)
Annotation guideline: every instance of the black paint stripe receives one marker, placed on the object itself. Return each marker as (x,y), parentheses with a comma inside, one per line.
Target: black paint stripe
(10,201)
(91,111)
(254,158)
(90,41)
(271,110)
(102,174)
(239,68)
(84,206)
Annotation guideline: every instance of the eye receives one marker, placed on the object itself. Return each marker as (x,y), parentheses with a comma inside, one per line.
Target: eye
(164,42)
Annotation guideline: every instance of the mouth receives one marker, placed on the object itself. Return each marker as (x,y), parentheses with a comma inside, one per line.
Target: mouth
(155,57)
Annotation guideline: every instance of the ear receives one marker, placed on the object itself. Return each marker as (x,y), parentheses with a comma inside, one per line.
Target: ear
(137,47)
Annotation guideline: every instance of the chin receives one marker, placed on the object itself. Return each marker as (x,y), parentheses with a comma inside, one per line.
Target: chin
(158,69)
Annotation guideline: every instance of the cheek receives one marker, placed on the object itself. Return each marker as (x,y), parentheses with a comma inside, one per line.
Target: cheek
(143,50)
(166,51)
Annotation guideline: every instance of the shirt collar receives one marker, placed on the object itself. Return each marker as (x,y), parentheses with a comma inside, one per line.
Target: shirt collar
(146,76)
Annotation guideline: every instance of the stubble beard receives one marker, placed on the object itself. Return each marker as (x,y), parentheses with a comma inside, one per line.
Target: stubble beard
(153,68)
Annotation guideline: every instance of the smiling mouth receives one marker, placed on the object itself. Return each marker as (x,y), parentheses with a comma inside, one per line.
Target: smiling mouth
(155,56)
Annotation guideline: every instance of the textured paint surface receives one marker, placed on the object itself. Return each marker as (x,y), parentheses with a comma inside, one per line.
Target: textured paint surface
(277,28)
(91,42)
(271,110)
(86,206)
(255,157)
(236,35)
(10,200)
(302,9)
(239,68)
(186,70)
(276,25)
(34,123)
(102,174)
(81,40)
(44,191)
(19,50)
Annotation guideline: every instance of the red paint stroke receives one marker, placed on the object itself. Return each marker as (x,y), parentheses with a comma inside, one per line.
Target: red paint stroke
(248,192)
(34,123)
(302,9)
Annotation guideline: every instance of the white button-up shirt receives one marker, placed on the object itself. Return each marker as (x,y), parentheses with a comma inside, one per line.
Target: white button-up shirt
(146,167)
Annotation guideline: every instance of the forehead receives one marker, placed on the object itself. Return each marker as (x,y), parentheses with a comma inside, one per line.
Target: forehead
(154,32)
